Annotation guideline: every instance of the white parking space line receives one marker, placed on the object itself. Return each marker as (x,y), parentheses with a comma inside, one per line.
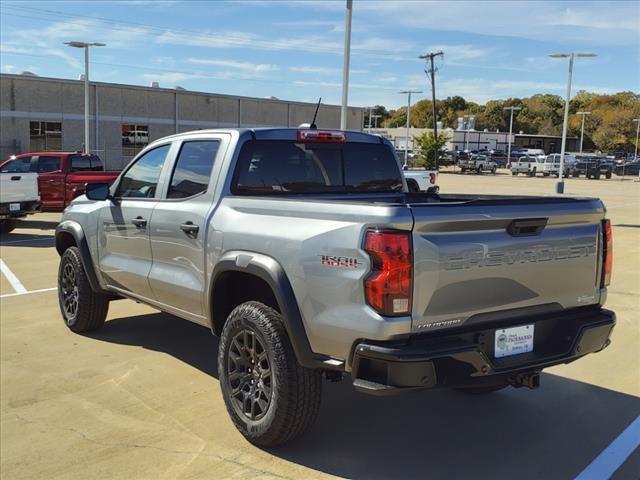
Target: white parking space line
(28,292)
(614,455)
(13,280)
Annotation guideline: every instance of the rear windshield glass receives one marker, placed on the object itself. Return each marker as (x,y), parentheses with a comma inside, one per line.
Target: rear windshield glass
(276,166)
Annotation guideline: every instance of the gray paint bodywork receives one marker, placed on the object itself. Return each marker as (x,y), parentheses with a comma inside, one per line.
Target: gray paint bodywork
(467,267)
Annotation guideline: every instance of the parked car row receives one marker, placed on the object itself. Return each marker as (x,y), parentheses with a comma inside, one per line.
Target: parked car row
(573,166)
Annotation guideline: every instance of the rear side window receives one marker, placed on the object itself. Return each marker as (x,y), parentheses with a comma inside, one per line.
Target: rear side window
(193,169)
(84,163)
(141,180)
(48,164)
(17,165)
(279,166)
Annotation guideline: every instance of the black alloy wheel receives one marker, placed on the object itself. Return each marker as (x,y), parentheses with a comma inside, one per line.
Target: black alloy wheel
(249,375)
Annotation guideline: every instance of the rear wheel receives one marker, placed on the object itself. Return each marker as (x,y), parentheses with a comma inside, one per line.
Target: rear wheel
(82,309)
(514,173)
(608,175)
(270,397)
(479,170)
(596,175)
(493,170)
(7,225)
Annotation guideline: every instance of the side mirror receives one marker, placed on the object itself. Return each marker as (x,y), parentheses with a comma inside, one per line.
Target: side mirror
(97,191)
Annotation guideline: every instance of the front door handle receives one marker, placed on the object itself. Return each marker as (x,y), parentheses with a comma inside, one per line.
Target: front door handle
(190,229)
(139,222)
(16,178)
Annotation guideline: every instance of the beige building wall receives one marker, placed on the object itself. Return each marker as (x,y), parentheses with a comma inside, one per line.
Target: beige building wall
(164,111)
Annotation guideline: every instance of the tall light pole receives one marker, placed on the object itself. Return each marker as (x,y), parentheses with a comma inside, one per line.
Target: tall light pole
(466,133)
(512,109)
(86,85)
(570,56)
(432,72)
(345,65)
(406,143)
(584,114)
(635,155)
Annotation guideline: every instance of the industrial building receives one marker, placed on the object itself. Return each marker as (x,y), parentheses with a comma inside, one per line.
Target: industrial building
(39,114)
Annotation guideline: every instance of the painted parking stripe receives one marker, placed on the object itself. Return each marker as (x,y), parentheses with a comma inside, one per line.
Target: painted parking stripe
(614,455)
(28,292)
(12,242)
(13,280)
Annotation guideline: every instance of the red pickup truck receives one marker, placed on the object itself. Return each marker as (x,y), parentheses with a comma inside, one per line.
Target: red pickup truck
(62,176)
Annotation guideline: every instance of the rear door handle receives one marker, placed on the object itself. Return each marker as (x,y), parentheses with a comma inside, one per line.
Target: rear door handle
(16,178)
(190,229)
(139,222)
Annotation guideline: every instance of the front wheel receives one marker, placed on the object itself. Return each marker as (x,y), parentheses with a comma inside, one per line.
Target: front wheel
(493,170)
(479,170)
(82,309)
(7,225)
(270,397)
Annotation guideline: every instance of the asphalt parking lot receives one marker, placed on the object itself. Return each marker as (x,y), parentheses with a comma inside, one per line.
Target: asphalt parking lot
(140,397)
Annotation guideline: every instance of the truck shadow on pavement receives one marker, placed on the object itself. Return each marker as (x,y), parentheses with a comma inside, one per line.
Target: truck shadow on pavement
(550,433)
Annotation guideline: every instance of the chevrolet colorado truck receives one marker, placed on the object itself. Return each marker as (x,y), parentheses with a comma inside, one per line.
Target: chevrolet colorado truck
(18,197)
(478,164)
(305,252)
(62,176)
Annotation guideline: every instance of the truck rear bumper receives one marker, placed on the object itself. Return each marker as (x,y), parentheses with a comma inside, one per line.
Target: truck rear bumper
(466,357)
(23,209)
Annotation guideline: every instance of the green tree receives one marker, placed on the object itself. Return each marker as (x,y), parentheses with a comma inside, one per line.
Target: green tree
(427,147)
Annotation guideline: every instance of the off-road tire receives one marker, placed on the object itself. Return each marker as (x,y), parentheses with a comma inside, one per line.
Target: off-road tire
(7,225)
(90,310)
(493,170)
(295,391)
(482,389)
(608,175)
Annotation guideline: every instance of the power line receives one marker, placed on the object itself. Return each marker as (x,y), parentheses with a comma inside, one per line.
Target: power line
(236,40)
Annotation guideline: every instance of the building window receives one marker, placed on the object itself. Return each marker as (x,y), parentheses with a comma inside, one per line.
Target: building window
(134,139)
(45,136)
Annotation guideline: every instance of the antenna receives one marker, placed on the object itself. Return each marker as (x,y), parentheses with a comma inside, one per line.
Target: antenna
(313,125)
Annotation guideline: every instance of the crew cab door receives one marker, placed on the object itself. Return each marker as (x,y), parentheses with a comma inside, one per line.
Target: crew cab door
(50,181)
(123,231)
(178,227)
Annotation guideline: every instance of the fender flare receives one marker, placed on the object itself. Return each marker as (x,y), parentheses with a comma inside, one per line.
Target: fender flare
(75,230)
(269,270)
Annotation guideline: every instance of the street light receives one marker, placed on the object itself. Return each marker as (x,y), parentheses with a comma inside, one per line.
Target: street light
(635,155)
(582,128)
(512,109)
(406,143)
(86,85)
(345,65)
(570,56)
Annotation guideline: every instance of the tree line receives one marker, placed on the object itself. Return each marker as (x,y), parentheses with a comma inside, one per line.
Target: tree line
(609,128)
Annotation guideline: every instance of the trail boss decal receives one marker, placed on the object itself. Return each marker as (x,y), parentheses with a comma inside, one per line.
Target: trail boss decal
(339,262)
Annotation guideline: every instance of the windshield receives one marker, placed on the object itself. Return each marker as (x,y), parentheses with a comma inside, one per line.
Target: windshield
(478,157)
(278,166)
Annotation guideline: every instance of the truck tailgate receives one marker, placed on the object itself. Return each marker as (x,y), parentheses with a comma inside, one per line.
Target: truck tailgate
(475,260)
(18,187)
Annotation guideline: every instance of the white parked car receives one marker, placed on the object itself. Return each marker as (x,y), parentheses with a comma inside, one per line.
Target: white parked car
(551,165)
(529,165)
(19,195)
(422,180)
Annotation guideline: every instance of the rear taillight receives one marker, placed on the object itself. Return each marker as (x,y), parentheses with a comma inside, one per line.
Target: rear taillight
(322,136)
(388,286)
(607,253)
(433,177)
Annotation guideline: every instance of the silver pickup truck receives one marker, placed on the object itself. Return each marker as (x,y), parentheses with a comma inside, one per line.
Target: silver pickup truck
(305,252)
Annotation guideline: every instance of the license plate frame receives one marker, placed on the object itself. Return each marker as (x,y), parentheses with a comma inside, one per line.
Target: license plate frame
(514,340)
(14,207)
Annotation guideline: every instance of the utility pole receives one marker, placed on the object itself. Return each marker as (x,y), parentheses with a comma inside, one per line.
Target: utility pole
(570,56)
(406,143)
(582,128)
(345,65)
(510,130)
(432,72)
(86,46)
(635,156)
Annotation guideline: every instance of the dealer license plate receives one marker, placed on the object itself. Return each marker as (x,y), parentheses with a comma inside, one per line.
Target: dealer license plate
(14,207)
(513,341)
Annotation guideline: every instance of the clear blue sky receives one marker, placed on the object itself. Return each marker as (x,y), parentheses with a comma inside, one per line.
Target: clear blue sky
(293,50)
